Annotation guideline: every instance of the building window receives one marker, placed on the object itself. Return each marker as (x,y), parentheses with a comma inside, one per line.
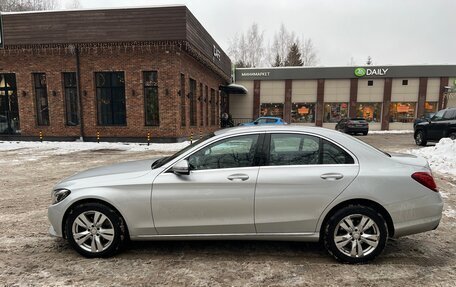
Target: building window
(402,112)
(151,106)
(430,107)
(405,82)
(71,99)
(201,101)
(334,112)
(192,102)
(42,107)
(370,83)
(303,113)
(272,109)
(206,100)
(212,107)
(370,111)
(182,100)
(111,98)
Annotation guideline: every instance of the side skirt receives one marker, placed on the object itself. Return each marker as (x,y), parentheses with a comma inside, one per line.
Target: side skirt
(308,237)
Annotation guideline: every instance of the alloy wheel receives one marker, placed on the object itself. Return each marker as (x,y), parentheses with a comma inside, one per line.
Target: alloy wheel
(93,231)
(356,235)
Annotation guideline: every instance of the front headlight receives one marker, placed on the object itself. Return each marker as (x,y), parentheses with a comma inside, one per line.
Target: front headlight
(59,194)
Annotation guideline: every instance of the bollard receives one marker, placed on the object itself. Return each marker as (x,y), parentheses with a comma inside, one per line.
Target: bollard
(191,137)
(148,139)
(98,137)
(201,135)
(41,136)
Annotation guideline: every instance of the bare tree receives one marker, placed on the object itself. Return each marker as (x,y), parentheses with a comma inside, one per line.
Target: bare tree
(281,43)
(352,62)
(35,5)
(308,53)
(247,50)
(72,4)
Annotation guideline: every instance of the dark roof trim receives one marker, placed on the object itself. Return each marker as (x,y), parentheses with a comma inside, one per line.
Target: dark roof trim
(234,89)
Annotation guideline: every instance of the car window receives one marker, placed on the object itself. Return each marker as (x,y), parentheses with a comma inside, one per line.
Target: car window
(270,121)
(297,149)
(228,153)
(332,154)
(293,149)
(438,116)
(261,121)
(450,115)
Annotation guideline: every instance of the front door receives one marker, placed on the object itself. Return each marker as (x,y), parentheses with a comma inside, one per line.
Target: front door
(303,175)
(217,197)
(9,110)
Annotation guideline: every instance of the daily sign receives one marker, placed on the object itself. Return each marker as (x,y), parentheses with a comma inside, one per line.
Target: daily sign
(361,72)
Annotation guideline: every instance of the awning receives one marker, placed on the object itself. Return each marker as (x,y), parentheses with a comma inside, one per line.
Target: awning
(234,89)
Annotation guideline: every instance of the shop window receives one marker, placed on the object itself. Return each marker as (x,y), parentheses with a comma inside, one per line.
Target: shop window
(370,111)
(182,100)
(430,107)
(272,109)
(334,112)
(192,97)
(41,97)
(303,113)
(405,82)
(402,112)
(111,98)
(71,99)
(213,111)
(151,105)
(370,83)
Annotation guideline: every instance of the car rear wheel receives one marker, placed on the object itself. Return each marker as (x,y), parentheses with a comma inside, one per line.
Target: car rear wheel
(365,133)
(355,234)
(420,138)
(453,136)
(95,230)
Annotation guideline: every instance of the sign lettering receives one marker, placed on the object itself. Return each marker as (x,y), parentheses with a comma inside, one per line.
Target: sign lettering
(361,72)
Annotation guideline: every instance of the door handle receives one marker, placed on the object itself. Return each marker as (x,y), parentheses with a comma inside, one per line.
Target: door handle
(237,176)
(332,176)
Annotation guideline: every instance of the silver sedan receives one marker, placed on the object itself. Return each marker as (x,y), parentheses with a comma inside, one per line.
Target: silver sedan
(256,183)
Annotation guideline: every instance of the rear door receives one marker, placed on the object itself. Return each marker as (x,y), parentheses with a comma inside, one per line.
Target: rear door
(436,126)
(303,173)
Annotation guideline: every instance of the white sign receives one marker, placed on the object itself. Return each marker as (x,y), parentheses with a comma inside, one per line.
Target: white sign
(255,74)
(376,72)
(217,53)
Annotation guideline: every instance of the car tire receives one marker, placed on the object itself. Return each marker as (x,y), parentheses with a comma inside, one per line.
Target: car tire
(365,133)
(420,138)
(95,230)
(452,136)
(355,234)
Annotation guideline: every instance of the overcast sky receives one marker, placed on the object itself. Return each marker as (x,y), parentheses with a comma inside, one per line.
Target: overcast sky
(392,32)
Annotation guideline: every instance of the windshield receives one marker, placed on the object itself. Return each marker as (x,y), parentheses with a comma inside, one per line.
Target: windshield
(160,162)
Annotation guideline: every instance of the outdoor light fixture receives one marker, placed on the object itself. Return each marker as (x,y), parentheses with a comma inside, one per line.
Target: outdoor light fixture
(133,93)
(188,95)
(84,93)
(24,93)
(54,93)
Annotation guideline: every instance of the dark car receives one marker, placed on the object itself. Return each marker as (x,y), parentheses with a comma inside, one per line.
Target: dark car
(353,126)
(441,125)
(424,118)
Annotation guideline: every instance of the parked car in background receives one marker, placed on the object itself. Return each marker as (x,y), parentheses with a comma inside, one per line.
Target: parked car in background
(266,121)
(353,126)
(424,118)
(441,125)
(256,183)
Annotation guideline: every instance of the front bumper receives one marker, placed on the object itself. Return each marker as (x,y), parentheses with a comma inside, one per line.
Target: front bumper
(55,216)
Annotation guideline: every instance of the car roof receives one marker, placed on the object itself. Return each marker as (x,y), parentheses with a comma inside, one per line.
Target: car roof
(269,117)
(277,128)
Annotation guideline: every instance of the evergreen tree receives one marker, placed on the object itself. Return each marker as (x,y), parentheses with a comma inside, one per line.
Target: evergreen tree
(277,61)
(294,56)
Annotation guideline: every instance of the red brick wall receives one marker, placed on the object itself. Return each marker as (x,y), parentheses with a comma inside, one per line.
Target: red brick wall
(168,61)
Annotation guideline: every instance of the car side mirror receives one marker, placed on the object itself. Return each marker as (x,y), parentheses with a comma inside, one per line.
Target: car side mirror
(181,168)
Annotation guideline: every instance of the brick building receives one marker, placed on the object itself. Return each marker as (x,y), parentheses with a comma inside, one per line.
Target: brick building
(121,72)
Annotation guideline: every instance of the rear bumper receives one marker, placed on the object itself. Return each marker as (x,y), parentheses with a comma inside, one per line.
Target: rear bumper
(357,129)
(417,215)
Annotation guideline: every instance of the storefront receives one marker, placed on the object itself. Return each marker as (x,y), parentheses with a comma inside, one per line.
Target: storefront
(155,73)
(388,97)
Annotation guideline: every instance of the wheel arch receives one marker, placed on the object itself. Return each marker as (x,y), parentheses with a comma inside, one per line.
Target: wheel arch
(364,202)
(92,200)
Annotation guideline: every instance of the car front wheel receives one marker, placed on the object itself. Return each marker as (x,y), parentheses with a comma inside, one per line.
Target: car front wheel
(95,230)
(420,138)
(355,234)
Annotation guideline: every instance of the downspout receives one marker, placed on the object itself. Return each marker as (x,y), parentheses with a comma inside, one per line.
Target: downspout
(78,83)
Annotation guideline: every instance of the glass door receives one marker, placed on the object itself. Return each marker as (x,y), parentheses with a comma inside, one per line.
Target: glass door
(9,109)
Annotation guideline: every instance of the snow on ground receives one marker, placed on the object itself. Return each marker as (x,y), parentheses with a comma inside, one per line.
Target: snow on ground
(391,132)
(441,157)
(49,147)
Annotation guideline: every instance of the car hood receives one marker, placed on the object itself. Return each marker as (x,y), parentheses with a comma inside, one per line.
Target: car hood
(137,167)
(410,159)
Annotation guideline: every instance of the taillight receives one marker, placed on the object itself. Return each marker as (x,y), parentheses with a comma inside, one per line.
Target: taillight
(425,179)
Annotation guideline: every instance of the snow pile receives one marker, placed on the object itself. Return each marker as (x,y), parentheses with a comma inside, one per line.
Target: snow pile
(441,157)
(391,132)
(70,147)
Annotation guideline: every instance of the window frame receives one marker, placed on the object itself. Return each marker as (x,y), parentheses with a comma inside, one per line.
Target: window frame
(113,89)
(40,119)
(149,122)
(267,143)
(66,98)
